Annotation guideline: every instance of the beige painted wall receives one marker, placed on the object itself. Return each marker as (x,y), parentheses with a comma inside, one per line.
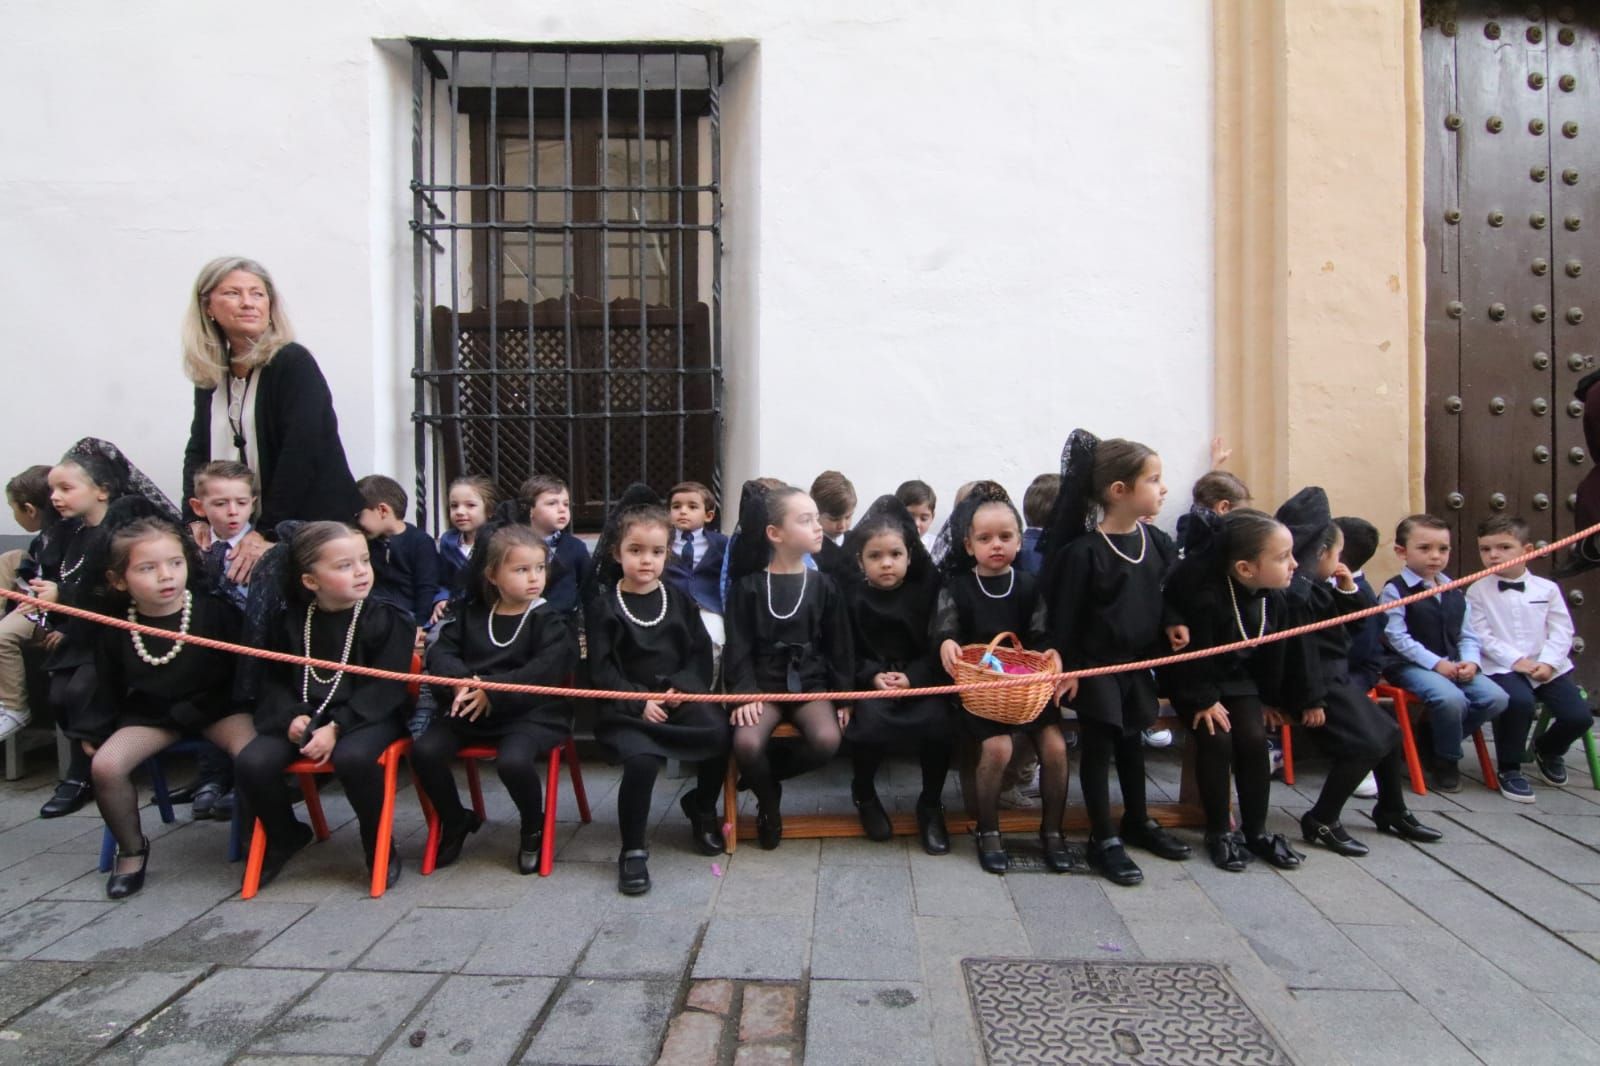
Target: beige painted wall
(1319,250)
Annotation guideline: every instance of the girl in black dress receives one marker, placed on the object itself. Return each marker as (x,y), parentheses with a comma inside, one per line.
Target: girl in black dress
(348,719)
(502,631)
(1230,587)
(646,637)
(152,691)
(891,604)
(1356,732)
(1103,573)
(788,631)
(983,595)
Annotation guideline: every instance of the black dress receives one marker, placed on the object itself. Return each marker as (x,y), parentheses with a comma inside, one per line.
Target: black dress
(890,628)
(808,651)
(673,654)
(384,638)
(1281,674)
(543,651)
(1356,728)
(974,610)
(1105,610)
(186,695)
(66,563)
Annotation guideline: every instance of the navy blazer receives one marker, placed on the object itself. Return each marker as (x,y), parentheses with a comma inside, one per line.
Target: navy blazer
(704,583)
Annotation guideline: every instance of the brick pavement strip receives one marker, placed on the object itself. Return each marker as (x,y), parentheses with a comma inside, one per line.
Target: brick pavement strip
(605,1023)
(692,1040)
(768,1013)
(715,996)
(766,1055)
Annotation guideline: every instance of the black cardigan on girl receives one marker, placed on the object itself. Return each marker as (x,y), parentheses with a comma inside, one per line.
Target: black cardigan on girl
(304,474)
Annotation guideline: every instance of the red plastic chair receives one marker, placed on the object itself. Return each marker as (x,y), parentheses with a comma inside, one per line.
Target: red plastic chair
(1288,754)
(1402,701)
(472,755)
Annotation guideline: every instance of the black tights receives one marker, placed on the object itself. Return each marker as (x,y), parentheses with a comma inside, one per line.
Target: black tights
(993,757)
(259,775)
(934,756)
(1242,750)
(70,690)
(1103,744)
(517,763)
(639,774)
(1345,774)
(818,723)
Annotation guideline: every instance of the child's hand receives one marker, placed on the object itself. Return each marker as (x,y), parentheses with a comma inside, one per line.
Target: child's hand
(949,655)
(1272,717)
(48,591)
(1343,578)
(319,749)
(1446,668)
(891,679)
(1466,672)
(1067,691)
(844,715)
(421,644)
(439,610)
(1178,637)
(297,728)
(746,714)
(1543,672)
(1315,718)
(1525,665)
(244,556)
(654,712)
(1213,718)
(1220,452)
(88,748)
(1052,661)
(670,703)
(201,532)
(470,703)
(52,640)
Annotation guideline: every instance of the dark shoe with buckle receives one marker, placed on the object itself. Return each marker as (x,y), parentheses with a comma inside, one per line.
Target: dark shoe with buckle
(272,863)
(70,797)
(1553,768)
(1111,859)
(205,800)
(1153,837)
(992,853)
(932,829)
(1331,835)
(528,847)
(704,829)
(769,820)
(1446,775)
(120,886)
(453,835)
(1275,849)
(1405,826)
(874,819)
(1228,851)
(1062,857)
(222,811)
(633,875)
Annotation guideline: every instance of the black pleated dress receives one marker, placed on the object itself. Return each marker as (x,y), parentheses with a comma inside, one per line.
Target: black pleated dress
(890,628)
(798,640)
(974,610)
(1356,728)
(540,648)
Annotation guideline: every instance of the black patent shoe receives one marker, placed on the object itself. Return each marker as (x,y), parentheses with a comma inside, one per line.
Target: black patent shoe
(528,852)
(703,827)
(874,819)
(1154,838)
(272,863)
(1062,857)
(1405,826)
(931,828)
(1110,858)
(70,797)
(1274,848)
(1228,851)
(992,853)
(769,821)
(452,837)
(633,875)
(1331,836)
(120,886)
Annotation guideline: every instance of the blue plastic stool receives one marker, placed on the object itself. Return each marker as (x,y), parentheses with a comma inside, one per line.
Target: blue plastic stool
(158,785)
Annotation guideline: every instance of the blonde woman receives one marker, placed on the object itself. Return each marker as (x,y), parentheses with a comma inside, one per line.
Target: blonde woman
(260,399)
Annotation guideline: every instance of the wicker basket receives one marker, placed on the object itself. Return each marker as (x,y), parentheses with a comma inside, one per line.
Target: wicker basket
(1016,704)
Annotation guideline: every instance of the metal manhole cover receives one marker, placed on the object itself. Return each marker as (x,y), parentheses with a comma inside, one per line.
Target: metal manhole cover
(1148,1013)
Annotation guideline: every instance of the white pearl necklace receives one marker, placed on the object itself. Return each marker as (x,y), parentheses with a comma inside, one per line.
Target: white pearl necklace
(1009,587)
(183,631)
(798,600)
(1238,619)
(68,571)
(515,633)
(662,617)
(1144,543)
(309,674)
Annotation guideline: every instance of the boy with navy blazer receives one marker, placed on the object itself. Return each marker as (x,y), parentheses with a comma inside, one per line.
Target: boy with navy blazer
(695,563)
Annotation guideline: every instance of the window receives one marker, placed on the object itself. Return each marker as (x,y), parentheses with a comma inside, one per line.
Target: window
(567,219)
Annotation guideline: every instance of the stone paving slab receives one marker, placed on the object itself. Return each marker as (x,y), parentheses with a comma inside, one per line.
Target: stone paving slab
(754,947)
(1550,901)
(472,1019)
(436,939)
(230,932)
(348,1013)
(98,1007)
(35,926)
(641,945)
(863,928)
(1378,1029)
(332,936)
(944,943)
(22,984)
(1071,917)
(213,1021)
(868,1023)
(605,1023)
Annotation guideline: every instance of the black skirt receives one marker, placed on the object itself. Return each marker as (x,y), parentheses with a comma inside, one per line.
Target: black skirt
(901,725)
(1127,701)
(693,732)
(984,728)
(1357,729)
(547,730)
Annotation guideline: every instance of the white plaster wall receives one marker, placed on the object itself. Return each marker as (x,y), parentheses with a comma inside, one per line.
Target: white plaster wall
(954,231)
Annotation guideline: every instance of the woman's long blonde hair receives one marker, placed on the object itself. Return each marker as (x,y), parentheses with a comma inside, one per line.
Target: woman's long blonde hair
(205,347)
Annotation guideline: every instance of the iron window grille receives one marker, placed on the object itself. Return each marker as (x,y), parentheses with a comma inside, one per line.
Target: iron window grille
(567,267)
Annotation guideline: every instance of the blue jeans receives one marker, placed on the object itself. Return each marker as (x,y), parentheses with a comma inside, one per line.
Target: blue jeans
(1570,717)
(1455,710)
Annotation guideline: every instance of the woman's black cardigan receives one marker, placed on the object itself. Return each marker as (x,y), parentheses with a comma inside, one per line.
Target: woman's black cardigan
(304,474)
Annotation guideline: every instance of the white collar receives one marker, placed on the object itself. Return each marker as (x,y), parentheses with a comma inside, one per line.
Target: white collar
(1411,577)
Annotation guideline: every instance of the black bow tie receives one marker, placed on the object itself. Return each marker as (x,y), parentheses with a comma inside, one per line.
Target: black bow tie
(1518,586)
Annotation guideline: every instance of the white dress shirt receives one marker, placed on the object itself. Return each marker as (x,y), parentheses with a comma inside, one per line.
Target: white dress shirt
(1532,624)
(697,538)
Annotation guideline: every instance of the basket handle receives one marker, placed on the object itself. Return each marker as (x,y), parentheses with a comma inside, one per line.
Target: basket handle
(1016,644)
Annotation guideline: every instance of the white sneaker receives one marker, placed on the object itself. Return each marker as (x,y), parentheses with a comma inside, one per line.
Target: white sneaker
(1274,760)
(1368,787)
(1013,799)
(12,720)
(1158,738)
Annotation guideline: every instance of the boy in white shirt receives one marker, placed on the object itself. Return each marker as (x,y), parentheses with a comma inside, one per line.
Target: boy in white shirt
(1526,632)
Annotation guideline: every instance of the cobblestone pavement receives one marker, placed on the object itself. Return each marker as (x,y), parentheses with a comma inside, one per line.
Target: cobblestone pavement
(1484,947)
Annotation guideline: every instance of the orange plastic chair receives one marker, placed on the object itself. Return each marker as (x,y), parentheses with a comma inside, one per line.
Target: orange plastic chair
(1288,754)
(472,755)
(1402,700)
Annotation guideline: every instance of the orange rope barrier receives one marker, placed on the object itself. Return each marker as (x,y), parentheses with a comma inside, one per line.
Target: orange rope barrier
(798,697)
